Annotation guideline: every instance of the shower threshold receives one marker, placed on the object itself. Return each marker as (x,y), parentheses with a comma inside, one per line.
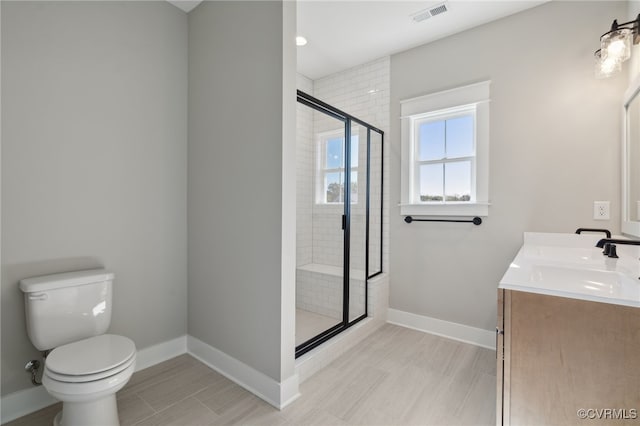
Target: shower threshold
(310,324)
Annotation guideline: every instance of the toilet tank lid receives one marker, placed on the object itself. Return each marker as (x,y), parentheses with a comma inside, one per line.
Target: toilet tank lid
(67,279)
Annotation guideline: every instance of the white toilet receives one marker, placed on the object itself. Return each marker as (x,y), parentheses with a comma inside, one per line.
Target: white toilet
(69,313)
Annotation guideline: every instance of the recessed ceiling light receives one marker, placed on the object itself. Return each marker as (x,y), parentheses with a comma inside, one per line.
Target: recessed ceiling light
(300,41)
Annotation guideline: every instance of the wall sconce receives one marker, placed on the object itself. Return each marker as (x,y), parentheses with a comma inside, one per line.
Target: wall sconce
(615,47)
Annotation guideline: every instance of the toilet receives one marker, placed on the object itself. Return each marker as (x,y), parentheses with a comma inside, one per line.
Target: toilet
(68,314)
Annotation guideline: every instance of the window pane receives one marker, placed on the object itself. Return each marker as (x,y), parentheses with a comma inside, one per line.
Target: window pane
(431,182)
(333,185)
(460,137)
(431,140)
(335,153)
(354,150)
(457,178)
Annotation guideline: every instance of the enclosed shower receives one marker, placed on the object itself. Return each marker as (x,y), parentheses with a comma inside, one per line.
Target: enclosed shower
(339,219)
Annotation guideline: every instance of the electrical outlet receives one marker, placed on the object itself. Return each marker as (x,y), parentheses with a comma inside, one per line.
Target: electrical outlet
(601,210)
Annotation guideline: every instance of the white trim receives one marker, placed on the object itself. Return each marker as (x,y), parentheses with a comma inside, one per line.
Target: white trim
(322,170)
(451,330)
(471,94)
(288,378)
(161,352)
(277,394)
(629,225)
(289,391)
(445,209)
(441,104)
(27,401)
(24,402)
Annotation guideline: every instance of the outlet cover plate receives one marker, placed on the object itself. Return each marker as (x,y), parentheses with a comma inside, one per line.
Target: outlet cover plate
(601,210)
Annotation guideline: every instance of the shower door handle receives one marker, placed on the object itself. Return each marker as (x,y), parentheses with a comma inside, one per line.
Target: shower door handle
(344,221)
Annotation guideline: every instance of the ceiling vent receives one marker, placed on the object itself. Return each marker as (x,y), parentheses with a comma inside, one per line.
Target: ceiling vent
(428,13)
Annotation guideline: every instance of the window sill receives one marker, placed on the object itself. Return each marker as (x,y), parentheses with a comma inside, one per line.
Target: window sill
(470,209)
(334,206)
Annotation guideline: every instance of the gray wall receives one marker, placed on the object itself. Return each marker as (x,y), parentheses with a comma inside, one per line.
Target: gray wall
(555,137)
(94,156)
(235,186)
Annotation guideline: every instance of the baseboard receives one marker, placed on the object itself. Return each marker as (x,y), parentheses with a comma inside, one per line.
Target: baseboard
(29,400)
(24,402)
(161,352)
(277,394)
(450,330)
(289,391)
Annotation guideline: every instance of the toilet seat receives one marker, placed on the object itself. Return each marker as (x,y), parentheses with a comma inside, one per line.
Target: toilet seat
(89,377)
(90,359)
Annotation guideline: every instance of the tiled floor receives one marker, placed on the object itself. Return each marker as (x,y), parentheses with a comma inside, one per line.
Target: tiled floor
(310,324)
(396,376)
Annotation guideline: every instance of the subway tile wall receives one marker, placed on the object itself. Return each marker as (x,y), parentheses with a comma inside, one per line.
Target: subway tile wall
(322,293)
(304,176)
(363,92)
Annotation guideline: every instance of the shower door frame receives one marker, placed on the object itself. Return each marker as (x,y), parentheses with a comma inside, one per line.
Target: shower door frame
(348,119)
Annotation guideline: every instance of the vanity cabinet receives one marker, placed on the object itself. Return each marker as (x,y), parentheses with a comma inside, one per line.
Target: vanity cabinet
(558,355)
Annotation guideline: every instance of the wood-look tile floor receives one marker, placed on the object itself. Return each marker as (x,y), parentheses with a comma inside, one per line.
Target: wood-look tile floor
(396,376)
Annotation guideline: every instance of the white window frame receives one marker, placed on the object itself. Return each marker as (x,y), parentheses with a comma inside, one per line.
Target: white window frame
(443,105)
(321,167)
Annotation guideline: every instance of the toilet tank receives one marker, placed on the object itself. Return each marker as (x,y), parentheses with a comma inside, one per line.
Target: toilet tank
(64,308)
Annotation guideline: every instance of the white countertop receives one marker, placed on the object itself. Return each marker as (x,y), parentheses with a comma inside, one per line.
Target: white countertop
(569,265)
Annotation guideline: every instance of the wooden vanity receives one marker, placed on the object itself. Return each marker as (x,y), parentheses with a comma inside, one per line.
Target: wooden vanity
(558,355)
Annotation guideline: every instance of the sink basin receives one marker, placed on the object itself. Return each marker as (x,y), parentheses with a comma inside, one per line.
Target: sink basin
(562,254)
(568,265)
(609,284)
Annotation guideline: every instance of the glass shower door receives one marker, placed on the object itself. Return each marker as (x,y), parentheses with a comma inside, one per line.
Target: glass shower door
(320,215)
(357,224)
(339,220)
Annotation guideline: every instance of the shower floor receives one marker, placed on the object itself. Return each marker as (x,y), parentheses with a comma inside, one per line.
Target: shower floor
(310,324)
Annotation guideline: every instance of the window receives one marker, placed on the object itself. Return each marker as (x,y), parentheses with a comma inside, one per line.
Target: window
(445,148)
(331,168)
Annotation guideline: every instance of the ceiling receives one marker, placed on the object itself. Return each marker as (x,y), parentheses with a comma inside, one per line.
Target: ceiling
(342,34)
(186,5)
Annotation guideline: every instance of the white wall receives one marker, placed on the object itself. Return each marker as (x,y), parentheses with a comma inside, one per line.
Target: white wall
(94,157)
(236,145)
(554,149)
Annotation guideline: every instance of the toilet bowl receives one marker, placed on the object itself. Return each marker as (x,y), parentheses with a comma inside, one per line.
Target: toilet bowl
(86,375)
(67,317)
